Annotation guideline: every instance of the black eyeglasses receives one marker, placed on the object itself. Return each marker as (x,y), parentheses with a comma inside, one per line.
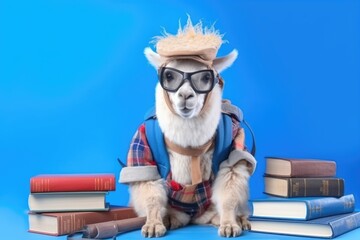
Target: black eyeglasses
(172,79)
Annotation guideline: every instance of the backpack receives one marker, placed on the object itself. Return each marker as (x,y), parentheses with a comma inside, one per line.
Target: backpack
(223,139)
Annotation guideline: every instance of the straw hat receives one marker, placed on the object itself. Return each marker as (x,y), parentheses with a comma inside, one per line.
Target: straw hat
(191,42)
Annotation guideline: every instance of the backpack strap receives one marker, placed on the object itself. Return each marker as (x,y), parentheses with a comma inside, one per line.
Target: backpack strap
(156,142)
(253,147)
(223,141)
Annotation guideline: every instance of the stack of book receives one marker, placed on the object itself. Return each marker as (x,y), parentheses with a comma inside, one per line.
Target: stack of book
(306,199)
(64,203)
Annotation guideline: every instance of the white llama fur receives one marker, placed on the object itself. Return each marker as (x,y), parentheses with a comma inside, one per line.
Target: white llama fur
(230,190)
(191,124)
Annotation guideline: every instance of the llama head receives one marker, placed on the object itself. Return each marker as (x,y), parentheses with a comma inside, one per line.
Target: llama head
(188,69)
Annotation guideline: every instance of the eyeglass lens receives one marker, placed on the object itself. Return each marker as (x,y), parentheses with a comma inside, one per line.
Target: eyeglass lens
(172,79)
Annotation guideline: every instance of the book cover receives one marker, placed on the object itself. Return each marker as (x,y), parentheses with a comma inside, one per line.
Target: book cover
(292,167)
(72,183)
(62,223)
(67,201)
(327,227)
(304,187)
(301,208)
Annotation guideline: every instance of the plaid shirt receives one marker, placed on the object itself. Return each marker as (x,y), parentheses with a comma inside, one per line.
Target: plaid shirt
(193,199)
(140,152)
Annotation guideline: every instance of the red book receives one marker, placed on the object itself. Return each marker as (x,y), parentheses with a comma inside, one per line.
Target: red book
(72,183)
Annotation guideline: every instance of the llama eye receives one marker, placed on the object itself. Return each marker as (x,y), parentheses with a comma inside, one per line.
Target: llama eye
(206,78)
(169,76)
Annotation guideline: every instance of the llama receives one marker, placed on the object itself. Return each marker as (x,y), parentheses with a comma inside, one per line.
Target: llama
(189,109)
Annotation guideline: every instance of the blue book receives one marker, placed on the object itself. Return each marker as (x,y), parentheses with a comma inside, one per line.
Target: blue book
(327,227)
(301,208)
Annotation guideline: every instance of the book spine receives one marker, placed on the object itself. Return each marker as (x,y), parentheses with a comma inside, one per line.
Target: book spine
(329,206)
(345,224)
(315,187)
(65,224)
(312,168)
(73,222)
(72,184)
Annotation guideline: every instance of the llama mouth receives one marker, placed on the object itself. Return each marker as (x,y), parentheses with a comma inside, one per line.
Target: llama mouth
(186,110)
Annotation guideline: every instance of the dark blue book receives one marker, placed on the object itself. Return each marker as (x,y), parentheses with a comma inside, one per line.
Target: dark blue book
(327,227)
(301,208)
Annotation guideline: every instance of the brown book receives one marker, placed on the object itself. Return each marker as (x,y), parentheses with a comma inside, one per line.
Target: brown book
(304,187)
(72,182)
(69,222)
(290,167)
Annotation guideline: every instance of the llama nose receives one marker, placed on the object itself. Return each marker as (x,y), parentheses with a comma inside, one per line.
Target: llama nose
(186,95)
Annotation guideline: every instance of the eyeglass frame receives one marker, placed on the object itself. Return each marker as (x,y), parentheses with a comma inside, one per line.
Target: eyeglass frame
(187,76)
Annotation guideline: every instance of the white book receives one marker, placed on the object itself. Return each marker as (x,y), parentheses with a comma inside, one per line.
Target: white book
(67,201)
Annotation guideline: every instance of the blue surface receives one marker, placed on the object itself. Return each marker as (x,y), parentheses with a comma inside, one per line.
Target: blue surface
(193,232)
(74,86)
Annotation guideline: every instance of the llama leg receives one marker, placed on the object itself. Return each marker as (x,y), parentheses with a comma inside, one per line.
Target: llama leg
(149,199)
(230,197)
(210,216)
(176,219)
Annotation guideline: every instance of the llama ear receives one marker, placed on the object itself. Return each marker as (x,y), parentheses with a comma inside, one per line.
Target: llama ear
(153,58)
(222,63)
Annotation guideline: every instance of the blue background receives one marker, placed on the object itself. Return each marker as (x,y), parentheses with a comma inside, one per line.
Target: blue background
(74,85)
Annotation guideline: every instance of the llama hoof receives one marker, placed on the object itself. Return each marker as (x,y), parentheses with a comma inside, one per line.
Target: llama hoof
(229,230)
(245,224)
(153,229)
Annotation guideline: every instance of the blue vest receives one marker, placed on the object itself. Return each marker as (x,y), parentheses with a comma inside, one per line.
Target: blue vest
(223,139)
